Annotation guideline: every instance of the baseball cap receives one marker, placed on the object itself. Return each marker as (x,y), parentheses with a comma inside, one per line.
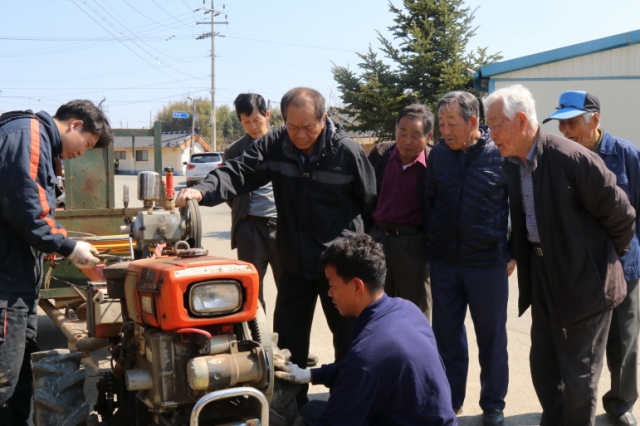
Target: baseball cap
(574,103)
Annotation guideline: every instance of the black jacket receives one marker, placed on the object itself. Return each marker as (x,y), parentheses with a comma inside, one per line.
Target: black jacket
(28,145)
(584,221)
(379,157)
(466,206)
(315,203)
(239,205)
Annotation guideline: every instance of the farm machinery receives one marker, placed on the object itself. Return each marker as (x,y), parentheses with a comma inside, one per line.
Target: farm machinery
(188,342)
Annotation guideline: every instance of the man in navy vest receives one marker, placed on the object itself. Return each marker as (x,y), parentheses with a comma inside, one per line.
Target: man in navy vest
(466,213)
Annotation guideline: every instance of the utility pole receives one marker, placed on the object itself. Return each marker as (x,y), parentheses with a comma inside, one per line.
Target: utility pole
(212,34)
(193,124)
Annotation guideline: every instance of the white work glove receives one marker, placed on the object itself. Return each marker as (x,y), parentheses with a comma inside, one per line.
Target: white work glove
(291,372)
(84,255)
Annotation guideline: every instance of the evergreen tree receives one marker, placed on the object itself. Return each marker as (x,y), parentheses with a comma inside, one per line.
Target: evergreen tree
(428,58)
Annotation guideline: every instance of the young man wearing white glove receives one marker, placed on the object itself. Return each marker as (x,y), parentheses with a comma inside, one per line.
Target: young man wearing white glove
(29,146)
(392,374)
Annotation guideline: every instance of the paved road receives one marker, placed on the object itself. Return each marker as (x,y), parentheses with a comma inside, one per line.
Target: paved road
(522,405)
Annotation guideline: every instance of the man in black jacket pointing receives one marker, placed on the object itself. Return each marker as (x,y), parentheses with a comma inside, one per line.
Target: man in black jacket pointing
(322,184)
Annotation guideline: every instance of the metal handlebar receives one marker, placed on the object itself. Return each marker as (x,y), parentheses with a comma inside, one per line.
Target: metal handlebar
(231,393)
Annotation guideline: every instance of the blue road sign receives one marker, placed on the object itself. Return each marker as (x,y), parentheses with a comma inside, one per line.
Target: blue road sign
(180,114)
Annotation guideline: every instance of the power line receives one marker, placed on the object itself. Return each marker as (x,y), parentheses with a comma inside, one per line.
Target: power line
(140,13)
(126,29)
(96,38)
(161,8)
(292,44)
(120,41)
(130,39)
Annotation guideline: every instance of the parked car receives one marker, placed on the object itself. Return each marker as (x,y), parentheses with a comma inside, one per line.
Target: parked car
(200,165)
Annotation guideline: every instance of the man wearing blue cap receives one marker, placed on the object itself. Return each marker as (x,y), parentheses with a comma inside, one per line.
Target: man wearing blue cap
(579,120)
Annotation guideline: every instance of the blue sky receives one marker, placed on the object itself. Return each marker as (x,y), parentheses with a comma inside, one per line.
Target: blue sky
(141,54)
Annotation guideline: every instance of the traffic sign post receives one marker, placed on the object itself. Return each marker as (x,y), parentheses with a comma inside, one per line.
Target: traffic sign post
(180,114)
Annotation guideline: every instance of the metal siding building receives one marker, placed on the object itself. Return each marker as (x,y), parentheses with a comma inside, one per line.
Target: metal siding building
(608,67)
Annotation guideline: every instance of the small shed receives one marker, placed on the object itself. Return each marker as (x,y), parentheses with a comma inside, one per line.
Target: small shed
(135,154)
(608,68)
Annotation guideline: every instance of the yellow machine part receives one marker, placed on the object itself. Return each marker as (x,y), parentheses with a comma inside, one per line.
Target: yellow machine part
(112,244)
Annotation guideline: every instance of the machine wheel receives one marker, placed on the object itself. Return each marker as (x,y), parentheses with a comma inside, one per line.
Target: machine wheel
(58,388)
(190,216)
(258,331)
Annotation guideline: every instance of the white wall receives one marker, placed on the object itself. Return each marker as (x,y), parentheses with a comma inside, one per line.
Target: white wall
(172,157)
(612,75)
(620,62)
(131,167)
(618,102)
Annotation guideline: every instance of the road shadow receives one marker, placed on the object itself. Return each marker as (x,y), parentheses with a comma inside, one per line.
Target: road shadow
(526,419)
(48,335)
(324,396)
(222,235)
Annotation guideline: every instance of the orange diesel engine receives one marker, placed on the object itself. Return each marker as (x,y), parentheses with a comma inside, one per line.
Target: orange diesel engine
(191,323)
(194,326)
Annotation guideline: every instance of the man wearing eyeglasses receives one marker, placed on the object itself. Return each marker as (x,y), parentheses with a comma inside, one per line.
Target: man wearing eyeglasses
(579,120)
(570,222)
(322,185)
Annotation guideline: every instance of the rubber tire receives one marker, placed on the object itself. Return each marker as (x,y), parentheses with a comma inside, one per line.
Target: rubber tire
(58,394)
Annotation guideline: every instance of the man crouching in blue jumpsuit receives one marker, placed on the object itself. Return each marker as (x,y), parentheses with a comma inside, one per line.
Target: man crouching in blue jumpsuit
(29,146)
(392,374)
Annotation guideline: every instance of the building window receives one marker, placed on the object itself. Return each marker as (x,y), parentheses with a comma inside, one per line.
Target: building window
(142,155)
(120,155)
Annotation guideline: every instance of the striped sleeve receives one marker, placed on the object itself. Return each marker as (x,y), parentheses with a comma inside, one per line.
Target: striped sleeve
(28,189)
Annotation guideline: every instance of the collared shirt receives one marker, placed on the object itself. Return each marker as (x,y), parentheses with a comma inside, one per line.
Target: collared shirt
(306,159)
(398,201)
(600,136)
(526,183)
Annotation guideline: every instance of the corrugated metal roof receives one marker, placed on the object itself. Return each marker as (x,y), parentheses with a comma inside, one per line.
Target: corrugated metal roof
(483,74)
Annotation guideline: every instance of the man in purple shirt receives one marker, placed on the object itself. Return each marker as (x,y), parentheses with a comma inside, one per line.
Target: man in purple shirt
(397,216)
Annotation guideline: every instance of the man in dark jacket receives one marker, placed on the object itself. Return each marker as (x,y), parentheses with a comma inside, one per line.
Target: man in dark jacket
(254,215)
(398,213)
(322,184)
(579,120)
(466,213)
(570,222)
(30,144)
(392,375)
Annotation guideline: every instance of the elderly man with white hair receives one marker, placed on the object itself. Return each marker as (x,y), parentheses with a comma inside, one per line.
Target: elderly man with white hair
(570,222)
